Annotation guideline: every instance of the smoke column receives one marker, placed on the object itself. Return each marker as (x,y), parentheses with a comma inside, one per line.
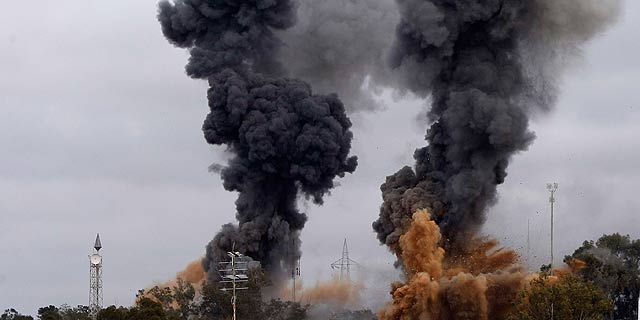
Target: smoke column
(486,66)
(285,140)
(340,46)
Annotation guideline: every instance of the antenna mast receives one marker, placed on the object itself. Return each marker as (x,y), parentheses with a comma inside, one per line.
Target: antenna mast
(234,273)
(528,242)
(552,187)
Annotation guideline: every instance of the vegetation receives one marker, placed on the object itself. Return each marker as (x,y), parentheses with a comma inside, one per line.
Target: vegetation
(605,286)
(566,297)
(612,263)
(12,314)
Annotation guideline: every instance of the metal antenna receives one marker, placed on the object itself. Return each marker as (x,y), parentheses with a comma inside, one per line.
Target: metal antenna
(344,264)
(295,273)
(552,187)
(95,279)
(528,242)
(295,268)
(234,273)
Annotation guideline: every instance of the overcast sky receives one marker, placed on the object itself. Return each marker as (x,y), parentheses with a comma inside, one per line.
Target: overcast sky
(100,131)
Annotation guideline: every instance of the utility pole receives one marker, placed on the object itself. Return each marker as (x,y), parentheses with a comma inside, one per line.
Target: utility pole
(552,187)
(234,273)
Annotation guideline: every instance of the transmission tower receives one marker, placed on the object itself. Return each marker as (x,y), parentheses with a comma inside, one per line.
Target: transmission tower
(95,279)
(233,276)
(552,187)
(344,264)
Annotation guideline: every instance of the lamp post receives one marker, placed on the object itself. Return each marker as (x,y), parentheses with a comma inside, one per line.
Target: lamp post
(552,187)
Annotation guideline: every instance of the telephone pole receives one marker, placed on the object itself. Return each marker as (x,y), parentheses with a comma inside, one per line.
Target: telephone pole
(552,187)
(234,273)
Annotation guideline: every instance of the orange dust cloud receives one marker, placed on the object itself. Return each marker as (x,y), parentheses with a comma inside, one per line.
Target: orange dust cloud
(193,274)
(336,293)
(479,283)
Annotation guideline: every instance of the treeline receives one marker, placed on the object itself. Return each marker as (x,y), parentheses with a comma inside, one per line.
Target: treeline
(604,285)
(183,301)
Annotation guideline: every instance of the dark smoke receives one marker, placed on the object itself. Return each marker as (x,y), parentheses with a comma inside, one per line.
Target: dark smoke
(227,34)
(285,140)
(340,46)
(477,61)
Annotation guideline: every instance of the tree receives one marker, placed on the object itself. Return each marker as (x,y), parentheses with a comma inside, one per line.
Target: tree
(613,264)
(147,309)
(162,295)
(49,313)
(183,296)
(566,297)
(78,313)
(356,315)
(113,313)
(283,310)
(13,314)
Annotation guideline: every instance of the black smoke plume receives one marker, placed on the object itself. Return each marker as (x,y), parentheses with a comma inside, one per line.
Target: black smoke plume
(486,65)
(285,140)
(340,46)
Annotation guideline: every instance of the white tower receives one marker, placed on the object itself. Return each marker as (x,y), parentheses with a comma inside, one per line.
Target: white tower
(95,279)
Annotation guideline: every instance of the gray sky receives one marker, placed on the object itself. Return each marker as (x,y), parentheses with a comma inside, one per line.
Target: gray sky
(100,132)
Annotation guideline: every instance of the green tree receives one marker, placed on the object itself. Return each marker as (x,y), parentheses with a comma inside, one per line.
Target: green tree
(283,310)
(567,297)
(163,295)
(214,304)
(356,315)
(49,313)
(147,309)
(183,296)
(78,313)
(13,314)
(613,264)
(113,313)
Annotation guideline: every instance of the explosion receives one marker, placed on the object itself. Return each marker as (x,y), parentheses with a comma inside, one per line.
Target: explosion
(480,286)
(335,293)
(285,139)
(487,66)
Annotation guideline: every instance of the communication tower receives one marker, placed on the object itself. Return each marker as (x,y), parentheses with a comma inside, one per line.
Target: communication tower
(95,279)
